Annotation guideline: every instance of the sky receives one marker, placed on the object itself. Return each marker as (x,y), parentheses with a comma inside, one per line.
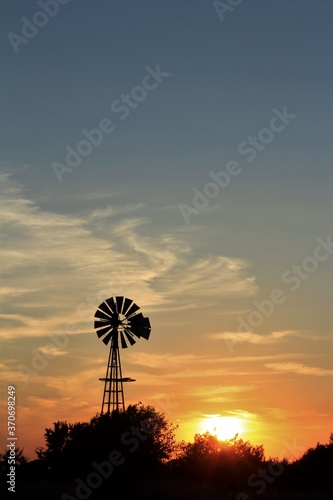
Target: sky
(176,153)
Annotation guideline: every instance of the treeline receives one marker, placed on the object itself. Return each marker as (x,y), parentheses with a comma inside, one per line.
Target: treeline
(134,454)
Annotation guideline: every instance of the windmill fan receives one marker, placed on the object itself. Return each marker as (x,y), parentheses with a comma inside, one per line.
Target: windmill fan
(118,320)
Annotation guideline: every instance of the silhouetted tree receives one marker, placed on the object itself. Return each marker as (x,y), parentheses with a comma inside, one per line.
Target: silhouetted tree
(225,462)
(313,471)
(141,435)
(6,460)
(56,442)
(20,458)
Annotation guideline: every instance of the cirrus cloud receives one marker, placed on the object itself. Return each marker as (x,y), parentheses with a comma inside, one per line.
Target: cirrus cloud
(53,261)
(299,369)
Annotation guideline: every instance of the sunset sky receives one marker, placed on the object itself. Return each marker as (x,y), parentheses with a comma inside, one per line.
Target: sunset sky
(205,196)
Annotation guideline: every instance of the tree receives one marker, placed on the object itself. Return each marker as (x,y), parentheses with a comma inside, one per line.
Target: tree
(56,440)
(20,458)
(310,472)
(314,468)
(228,463)
(142,435)
(6,460)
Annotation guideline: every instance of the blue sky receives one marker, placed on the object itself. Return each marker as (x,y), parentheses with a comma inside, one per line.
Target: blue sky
(113,224)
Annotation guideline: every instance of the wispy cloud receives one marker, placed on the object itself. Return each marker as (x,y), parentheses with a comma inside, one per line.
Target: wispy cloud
(210,277)
(249,359)
(111,211)
(100,253)
(299,369)
(50,351)
(170,360)
(220,393)
(226,389)
(167,360)
(252,337)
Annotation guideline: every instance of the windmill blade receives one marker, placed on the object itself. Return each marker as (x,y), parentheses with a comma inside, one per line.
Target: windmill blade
(135,331)
(107,339)
(119,302)
(100,334)
(101,324)
(126,305)
(102,315)
(140,326)
(112,305)
(129,337)
(103,331)
(146,329)
(137,319)
(104,308)
(136,328)
(132,310)
(146,323)
(145,334)
(123,342)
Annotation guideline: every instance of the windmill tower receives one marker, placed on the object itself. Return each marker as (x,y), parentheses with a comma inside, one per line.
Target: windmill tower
(118,320)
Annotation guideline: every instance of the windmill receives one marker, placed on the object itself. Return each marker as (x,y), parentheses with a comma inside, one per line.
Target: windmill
(118,320)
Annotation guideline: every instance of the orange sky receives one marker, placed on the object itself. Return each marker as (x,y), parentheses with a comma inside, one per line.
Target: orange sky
(276,379)
(239,292)
(279,397)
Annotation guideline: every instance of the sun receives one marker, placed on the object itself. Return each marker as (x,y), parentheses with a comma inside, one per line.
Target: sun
(223,428)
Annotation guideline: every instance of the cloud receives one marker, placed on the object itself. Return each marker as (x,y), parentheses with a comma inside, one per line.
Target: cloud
(110,211)
(211,276)
(220,393)
(60,267)
(167,360)
(252,337)
(278,413)
(249,359)
(50,351)
(242,413)
(299,369)
(227,389)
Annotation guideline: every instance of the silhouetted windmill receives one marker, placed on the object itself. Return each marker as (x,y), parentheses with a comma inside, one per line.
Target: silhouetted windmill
(118,319)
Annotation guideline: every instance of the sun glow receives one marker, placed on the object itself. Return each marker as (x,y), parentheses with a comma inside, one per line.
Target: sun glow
(223,428)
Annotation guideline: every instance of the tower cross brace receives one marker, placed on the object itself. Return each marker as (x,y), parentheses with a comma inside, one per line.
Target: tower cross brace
(113,395)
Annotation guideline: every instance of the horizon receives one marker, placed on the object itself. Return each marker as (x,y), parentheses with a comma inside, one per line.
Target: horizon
(177,155)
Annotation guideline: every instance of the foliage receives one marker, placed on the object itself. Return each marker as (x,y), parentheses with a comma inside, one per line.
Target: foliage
(145,441)
(20,458)
(142,435)
(56,440)
(226,462)
(312,470)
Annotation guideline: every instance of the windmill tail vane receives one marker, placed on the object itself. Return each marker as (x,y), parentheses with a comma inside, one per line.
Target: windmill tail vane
(118,322)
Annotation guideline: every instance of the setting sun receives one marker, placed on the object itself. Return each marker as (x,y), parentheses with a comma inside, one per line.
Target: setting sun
(222,427)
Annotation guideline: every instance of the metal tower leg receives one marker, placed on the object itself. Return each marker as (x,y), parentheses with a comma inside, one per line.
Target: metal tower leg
(113,396)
